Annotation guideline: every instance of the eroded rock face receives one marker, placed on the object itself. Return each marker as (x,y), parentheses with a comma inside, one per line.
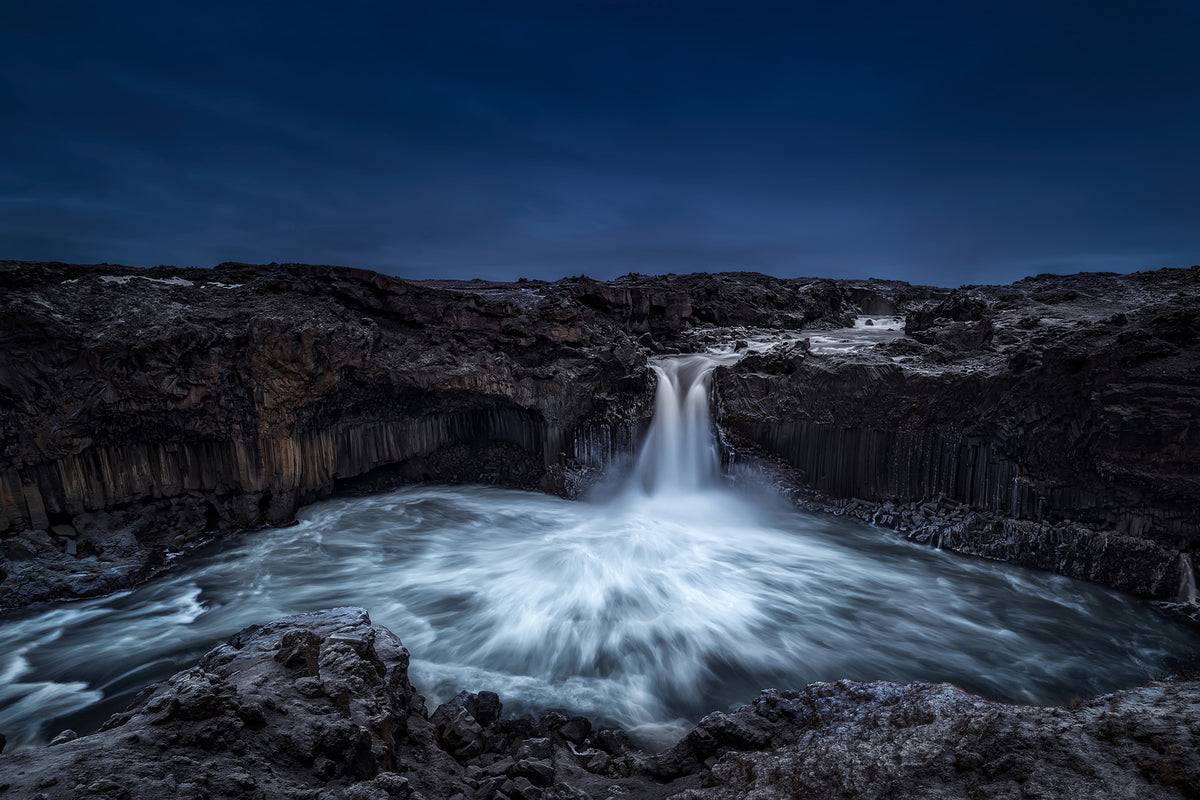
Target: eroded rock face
(1051,423)
(305,702)
(145,411)
(320,706)
(877,740)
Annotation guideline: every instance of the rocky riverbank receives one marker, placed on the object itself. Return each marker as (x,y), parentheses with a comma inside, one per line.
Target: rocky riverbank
(145,411)
(1050,423)
(320,706)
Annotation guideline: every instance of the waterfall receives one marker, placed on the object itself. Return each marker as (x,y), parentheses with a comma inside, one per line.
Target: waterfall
(680,454)
(1187,580)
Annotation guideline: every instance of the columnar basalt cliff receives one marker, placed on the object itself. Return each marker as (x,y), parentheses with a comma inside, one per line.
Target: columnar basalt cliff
(1052,423)
(167,404)
(146,410)
(320,706)
(1049,423)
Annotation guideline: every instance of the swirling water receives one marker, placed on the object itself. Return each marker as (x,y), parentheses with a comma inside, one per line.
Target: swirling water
(672,598)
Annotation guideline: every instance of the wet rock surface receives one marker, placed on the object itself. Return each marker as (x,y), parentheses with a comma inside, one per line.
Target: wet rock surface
(320,706)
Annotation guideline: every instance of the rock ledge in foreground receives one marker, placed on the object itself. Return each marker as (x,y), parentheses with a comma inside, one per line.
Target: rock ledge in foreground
(320,706)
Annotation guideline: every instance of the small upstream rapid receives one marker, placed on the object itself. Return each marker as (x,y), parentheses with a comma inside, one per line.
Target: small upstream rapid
(672,597)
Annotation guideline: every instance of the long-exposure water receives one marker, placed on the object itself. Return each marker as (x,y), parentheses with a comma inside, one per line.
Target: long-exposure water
(675,597)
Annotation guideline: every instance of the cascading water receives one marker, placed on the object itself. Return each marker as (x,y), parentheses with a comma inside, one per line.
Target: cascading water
(676,597)
(1187,580)
(679,456)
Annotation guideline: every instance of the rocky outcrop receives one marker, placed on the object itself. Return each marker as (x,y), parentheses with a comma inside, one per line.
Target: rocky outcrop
(667,307)
(320,706)
(877,740)
(255,389)
(1051,423)
(144,411)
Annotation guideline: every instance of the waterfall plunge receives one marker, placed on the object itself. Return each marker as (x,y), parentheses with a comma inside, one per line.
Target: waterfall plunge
(1187,581)
(647,611)
(679,456)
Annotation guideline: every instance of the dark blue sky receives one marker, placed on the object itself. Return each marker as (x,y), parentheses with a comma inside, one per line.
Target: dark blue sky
(937,142)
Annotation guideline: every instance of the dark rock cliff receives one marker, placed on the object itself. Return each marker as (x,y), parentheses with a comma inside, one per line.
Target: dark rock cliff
(1051,423)
(320,706)
(1054,423)
(168,403)
(143,411)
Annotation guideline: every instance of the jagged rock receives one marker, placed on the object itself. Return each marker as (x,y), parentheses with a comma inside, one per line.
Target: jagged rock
(64,737)
(1060,409)
(716,734)
(962,305)
(464,723)
(151,410)
(540,748)
(146,411)
(300,648)
(485,707)
(962,321)
(577,730)
(235,725)
(239,708)
(878,740)
(539,772)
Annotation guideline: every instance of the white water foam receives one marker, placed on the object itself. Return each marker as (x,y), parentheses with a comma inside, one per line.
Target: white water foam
(679,456)
(1187,580)
(675,597)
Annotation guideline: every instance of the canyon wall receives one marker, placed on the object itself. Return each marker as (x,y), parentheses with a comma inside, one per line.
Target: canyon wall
(1051,423)
(175,404)
(145,411)
(1065,409)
